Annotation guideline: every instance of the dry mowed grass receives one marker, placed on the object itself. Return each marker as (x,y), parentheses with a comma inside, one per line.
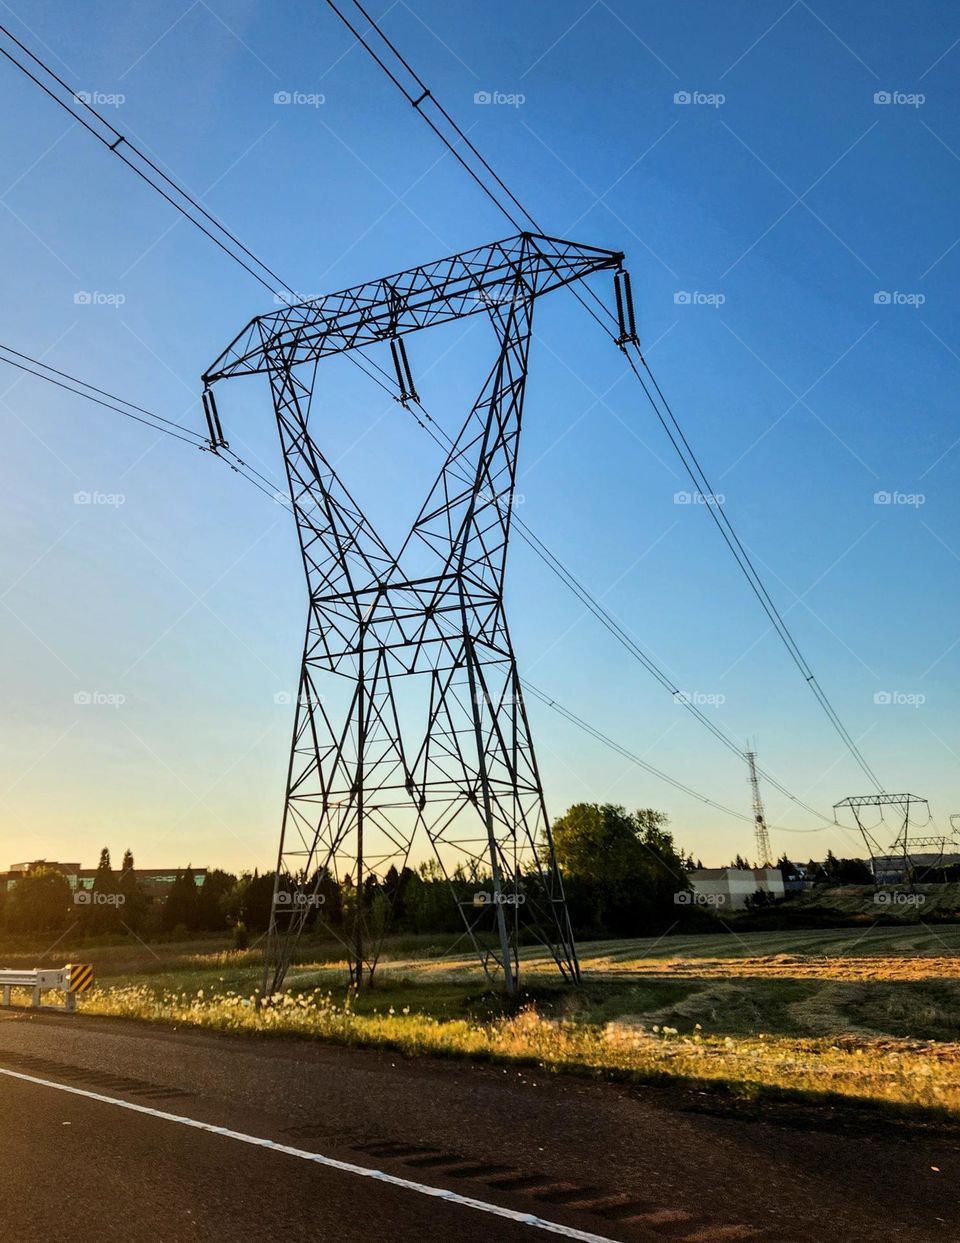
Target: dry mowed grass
(869,1014)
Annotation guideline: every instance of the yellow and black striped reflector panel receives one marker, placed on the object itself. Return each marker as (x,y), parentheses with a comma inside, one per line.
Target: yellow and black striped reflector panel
(80,978)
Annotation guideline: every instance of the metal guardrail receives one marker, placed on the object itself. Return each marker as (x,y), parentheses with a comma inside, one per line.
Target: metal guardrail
(71,980)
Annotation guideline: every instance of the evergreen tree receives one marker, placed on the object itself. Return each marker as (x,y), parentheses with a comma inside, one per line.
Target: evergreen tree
(180,908)
(103,914)
(254,900)
(133,912)
(331,910)
(815,871)
(213,901)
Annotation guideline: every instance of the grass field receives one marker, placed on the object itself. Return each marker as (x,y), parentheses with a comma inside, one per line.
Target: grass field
(868,1013)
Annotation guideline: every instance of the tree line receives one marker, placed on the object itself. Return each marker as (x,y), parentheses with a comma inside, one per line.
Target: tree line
(621,873)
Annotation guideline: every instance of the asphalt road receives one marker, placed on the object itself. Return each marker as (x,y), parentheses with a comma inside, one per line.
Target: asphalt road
(515,1155)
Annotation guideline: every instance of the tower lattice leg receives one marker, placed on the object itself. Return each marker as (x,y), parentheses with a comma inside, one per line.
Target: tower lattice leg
(410,717)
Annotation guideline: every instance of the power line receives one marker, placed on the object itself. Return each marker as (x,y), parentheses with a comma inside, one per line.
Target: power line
(691,463)
(538,546)
(700,481)
(418,102)
(595,606)
(113,140)
(119,405)
(130,410)
(237,463)
(169,189)
(364,363)
(97,395)
(613,745)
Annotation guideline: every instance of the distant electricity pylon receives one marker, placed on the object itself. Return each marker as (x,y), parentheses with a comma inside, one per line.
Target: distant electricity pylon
(761,834)
(409,717)
(898,861)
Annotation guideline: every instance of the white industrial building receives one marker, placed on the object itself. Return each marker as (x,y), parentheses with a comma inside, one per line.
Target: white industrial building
(729,888)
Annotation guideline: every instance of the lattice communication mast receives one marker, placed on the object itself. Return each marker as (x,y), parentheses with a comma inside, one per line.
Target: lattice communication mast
(761,834)
(410,722)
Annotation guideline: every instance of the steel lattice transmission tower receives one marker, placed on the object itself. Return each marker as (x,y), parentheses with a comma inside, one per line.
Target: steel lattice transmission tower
(897,862)
(410,720)
(761,834)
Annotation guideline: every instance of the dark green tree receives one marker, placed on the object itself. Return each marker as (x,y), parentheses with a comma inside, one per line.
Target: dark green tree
(254,899)
(133,912)
(102,914)
(40,901)
(815,871)
(622,871)
(599,844)
(847,871)
(213,901)
(180,908)
(428,901)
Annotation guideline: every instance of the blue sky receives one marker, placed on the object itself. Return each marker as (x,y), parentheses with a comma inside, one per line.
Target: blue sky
(794,250)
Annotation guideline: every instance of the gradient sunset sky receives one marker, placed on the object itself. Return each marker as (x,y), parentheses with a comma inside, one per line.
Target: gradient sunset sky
(783,179)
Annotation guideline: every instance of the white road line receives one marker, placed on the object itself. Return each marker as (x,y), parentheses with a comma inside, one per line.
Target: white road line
(345,1167)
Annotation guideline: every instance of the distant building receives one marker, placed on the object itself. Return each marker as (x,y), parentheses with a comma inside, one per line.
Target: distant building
(156,883)
(729,888)
(892,869)
(796,880)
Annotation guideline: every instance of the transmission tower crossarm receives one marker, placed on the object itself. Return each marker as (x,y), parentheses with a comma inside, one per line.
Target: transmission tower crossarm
(878,800)
(469,283)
